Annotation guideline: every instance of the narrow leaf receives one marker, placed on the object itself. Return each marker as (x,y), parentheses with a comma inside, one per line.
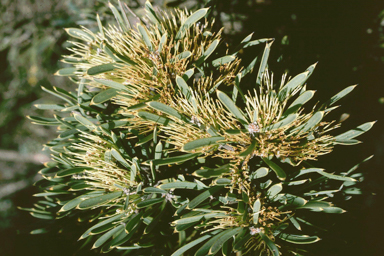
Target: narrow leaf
(144,33)
(271,245)
(277,169)
(190,21)
(153,117)
(204,142)
(231,106)
(294,83)
(175,159)
(166,109)
(203,196)
(299,239)
(340,95)
(99,200)
(102,69)
(179,185)
(354,132)
(249,150)
(264,61)
(104,96)
(149,202)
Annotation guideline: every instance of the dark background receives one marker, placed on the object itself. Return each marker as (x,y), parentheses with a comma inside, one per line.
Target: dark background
(344,36)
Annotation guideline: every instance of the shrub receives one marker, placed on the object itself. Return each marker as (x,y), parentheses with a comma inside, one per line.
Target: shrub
(167,134)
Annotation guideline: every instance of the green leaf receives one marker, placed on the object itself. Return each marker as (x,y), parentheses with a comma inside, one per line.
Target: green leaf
(222,181)
(190,21)
(103,96)
(296,182)
(144,33)
(259,173)
(188,74)
(312,122)
(333,210)
(223,60)
(112,84)
(150,202)
(183,55)
(204,250)
(71,204)
(144,140)
(188,246)
(291,200)
(163,40)
(153,117)
(59,95)
(84,121)
(50,194)
(264,61)
(294,222)
(102,69)
(39,231)
(357,165)
(208,173)
(309,170)
(283,123)
(99,242)
(175,159)
(154,190)
(158,150)
(67,72)
(300,101)
(249,150)
(166,109)
(99,200)
(274,190)
(271,245)
(194,219)
(335,177)
(151,12)
(241,239)
(123,26)
(249,68)
(203,196)
(179,184)
(294,83)
(277,169)
(231,106)
(186,91)
(71,171)
(315,204)
(347,142)
(204,142)
(353,191)
(133,222)
(100,224)
(100,25)
(49,106)
(354,132)
(211,48)
(225,235)
(299,239)
(80,34)
(256,210)
(160,213)
(120,158)
(340,95)
(42,216)
(247,44)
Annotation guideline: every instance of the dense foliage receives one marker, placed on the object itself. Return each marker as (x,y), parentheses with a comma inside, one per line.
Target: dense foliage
(170,132)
